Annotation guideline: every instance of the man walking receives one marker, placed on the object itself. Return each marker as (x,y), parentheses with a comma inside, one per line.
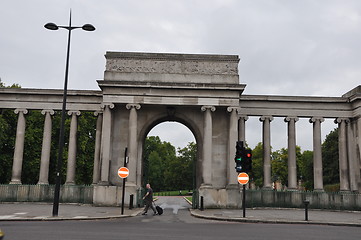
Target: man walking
(148,200)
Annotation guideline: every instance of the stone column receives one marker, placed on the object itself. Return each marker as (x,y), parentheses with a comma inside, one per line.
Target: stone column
(71,165)
(354,170)
(207,145)
(266,140)
(317,154)
(98,135)
(292,167)
(232,139)
(19,147)
(46,147)
(106,143)
(342,154)
(133,143)
(242,128)
(358,151)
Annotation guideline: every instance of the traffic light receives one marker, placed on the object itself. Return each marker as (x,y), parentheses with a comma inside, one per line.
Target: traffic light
(247,160)
(239,156)
(243,158)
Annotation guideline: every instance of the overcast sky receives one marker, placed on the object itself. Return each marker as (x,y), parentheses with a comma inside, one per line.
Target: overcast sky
(286,47)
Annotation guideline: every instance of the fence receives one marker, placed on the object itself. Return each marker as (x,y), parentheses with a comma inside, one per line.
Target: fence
(295,199)
(45,193)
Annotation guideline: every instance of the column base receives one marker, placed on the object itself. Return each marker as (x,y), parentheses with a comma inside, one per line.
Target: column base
(232,186)
(15,182)
(43,183)
(103,183)
(319,190)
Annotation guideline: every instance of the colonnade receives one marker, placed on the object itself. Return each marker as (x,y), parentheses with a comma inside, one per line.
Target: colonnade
(347,152)
(102,153)
(46,147)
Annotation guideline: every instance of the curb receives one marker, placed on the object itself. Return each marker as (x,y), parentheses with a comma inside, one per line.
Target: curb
(270,221)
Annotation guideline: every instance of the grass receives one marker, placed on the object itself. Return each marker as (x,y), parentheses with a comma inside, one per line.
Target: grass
(174,193)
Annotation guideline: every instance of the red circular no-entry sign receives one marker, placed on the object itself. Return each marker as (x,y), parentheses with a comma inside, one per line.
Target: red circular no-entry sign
(243,178)
(123,172)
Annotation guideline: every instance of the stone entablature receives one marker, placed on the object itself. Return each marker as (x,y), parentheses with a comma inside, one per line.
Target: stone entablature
(300,106)
(29,98)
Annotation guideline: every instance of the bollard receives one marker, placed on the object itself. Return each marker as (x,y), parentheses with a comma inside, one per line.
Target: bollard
(202,207)
(131,201)
(306,202)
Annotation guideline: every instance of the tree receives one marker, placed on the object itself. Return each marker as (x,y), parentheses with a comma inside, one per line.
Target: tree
(157,157)
(279,165)
(164,169)
(330,158)
(186,161)
(257,165)
(305,169)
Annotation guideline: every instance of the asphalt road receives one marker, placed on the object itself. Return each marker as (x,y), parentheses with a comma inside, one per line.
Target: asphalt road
(175,223)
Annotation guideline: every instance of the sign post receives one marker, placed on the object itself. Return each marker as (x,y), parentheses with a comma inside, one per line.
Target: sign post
(243,179)
(123,173)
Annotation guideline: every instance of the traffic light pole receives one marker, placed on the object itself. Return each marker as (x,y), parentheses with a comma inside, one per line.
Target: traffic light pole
(244,200)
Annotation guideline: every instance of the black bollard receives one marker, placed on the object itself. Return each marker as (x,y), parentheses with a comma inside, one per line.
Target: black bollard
(306,202)
(131,201)
(202,207)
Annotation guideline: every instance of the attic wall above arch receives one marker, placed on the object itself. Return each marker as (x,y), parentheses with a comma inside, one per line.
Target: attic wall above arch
(171,79)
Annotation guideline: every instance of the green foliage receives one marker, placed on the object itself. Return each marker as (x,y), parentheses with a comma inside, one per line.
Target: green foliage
(330,158)
(332,187)
(32,147)
(85,148)
(257,165)
(8,121)
(279,165)
(305,168)
(163,169)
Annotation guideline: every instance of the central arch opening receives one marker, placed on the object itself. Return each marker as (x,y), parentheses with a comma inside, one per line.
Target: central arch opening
(169,158)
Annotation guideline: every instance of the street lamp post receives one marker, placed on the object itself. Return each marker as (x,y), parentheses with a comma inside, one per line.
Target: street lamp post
(53,26)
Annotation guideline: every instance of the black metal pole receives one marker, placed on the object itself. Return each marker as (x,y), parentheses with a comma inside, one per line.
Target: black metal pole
(306,202)
(123,194)
(61,135)
(244,200)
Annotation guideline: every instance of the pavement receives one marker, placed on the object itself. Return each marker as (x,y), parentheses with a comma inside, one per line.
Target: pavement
(43,212)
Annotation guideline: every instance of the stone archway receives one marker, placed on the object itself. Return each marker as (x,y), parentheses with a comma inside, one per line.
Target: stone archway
(173,114)
(200,91)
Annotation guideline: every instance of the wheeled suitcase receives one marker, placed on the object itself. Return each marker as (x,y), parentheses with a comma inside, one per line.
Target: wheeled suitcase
(159,210)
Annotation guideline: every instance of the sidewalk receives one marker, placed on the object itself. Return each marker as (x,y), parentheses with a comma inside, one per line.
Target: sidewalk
(285,216)
(43,211)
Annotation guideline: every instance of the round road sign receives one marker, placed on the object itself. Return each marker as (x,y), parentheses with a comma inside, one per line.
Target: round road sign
(123,172)
(243,178)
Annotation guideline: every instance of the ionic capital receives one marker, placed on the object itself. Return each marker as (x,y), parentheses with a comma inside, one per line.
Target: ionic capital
(133,105)
(243,117)
(263,118)
(45,111)
(107,105)
(72,112)
(342,119)
(97,113)
(236,109)
(23,110)
(205,108)
(289,118)
(315,119)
